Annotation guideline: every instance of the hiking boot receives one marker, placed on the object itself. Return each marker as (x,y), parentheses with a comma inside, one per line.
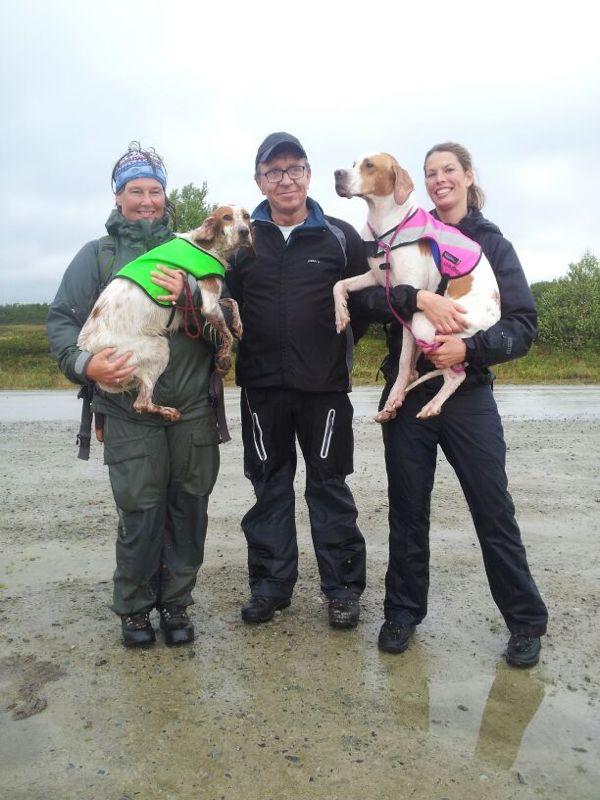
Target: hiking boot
(137,630)
(523,650)
(262,609)
(344,612)
(176,625)
(394,637)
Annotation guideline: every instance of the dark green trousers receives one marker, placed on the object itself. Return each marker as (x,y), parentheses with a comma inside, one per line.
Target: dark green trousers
(161,477)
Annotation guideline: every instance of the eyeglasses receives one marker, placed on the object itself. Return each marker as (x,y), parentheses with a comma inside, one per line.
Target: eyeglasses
(294,172)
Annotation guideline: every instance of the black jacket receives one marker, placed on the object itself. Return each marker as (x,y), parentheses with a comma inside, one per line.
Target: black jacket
(511,337)
(285,294)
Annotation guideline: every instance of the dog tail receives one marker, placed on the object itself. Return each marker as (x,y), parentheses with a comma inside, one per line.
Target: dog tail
(433,374)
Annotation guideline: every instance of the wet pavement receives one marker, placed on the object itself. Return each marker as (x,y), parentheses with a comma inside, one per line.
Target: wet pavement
(515,402)
(293,710)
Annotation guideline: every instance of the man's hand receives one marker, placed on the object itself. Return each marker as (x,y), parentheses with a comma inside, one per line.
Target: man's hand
(102,369)
(169,279)
(452,351)
(445,315)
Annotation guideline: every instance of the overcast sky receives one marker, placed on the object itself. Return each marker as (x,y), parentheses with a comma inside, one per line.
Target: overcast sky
(517,83)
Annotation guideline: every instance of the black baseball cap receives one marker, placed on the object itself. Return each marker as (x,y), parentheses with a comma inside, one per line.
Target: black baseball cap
(275,141)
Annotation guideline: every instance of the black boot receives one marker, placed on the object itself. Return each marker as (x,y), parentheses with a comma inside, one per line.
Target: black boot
(175,625)
(344,612)
(394,637)
(523,650)
(137,630)
(262,609)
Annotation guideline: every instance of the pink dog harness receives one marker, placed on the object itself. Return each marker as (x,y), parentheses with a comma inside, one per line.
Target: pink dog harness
(454,254)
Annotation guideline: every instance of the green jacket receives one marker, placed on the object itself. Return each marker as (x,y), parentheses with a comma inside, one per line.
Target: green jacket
(184,383)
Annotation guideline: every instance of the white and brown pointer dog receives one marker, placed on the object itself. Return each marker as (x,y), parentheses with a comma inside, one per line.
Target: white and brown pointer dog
(125,317)
(389,193)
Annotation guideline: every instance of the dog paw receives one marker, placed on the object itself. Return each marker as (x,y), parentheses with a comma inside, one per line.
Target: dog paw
(385,416)
(430,410)
(342,320)
(390,409)
(170,414)
(222,364)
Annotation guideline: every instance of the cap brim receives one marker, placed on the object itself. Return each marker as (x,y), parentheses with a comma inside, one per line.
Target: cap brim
(280,146)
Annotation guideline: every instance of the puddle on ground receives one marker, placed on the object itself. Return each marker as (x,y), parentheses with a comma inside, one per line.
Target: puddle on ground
(288,710)
(293,709)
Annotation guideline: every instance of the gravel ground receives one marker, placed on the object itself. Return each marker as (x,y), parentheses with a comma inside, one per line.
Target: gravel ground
(293,709)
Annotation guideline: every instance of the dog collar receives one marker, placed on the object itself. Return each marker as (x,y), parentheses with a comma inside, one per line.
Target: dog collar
(177,254)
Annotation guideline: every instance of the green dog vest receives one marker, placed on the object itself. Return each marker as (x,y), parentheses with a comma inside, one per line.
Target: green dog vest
(176,254)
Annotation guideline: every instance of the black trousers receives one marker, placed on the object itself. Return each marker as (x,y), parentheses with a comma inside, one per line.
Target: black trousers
(469,431)
(322,422)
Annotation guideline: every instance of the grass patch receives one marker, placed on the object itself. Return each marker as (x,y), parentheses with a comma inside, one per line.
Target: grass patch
(543,364)
(368,355)
(26,363)
(25,360)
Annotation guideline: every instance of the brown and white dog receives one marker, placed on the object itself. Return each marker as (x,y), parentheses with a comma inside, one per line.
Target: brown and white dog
(125,317)
(389,193)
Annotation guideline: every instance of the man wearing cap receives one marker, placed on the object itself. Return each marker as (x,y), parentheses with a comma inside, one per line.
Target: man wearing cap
(161,473)
(294,370)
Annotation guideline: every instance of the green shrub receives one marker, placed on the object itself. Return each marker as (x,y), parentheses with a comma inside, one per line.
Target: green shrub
(569,308)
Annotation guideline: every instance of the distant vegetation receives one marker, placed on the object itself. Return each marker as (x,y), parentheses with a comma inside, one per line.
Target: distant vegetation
(567,349)
(24,314)
(25,360)
(569,307)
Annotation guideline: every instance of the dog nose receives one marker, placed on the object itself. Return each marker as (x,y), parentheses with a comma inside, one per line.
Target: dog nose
(244,233)
(339,173)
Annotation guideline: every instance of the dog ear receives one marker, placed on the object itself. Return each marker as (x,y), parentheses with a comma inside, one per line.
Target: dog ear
(207,232)
(403,185)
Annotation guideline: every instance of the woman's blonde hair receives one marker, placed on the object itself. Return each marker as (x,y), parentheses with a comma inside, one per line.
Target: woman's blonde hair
(475,195)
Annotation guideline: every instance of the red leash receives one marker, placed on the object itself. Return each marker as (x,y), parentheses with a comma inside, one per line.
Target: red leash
(190,314)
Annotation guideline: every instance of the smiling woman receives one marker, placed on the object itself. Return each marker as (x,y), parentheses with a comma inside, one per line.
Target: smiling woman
(139,180)
(143,198)
(161,473)
(468,430)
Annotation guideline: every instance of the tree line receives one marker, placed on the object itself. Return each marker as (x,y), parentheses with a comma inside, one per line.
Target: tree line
(568,307)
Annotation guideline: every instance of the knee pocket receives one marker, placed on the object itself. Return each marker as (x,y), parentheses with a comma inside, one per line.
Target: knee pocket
(203,460)
(138,472)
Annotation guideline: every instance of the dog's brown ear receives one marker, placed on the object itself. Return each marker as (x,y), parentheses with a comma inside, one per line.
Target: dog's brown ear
(207,232)
(403,185)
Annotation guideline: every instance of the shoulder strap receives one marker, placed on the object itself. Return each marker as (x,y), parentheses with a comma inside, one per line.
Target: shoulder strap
(107,252)
(341,237)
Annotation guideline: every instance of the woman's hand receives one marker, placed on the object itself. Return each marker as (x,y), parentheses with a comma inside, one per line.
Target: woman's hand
(102,369)
(452,351)
(445,315)
(171,280)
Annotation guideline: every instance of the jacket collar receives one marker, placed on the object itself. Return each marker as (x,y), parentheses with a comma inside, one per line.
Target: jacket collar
(142,231)
(473,223)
